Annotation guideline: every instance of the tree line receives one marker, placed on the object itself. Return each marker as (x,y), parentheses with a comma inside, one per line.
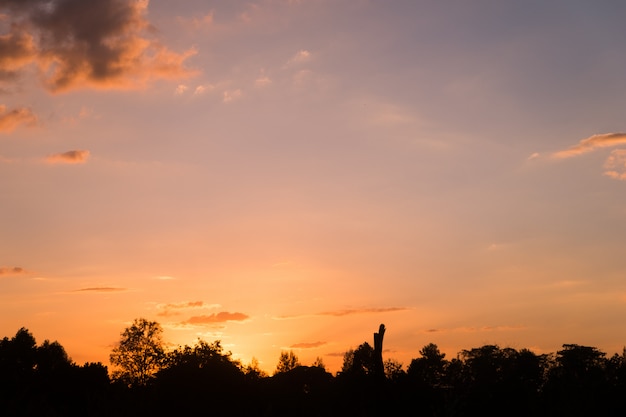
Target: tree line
(204,379)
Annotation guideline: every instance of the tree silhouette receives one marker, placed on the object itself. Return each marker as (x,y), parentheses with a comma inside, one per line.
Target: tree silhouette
(139,354)
(287,362)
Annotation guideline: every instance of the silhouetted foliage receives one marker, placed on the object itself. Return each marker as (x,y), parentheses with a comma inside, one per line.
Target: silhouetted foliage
(43,381)
(287,362)
(204,379)
(140,354)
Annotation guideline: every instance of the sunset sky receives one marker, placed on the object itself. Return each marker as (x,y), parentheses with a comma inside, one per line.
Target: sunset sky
(289,174)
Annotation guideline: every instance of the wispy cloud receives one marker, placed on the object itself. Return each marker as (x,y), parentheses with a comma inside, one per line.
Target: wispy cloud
(471,329)
(348,312)
(173,309)
(9,271)
(216,318)
(10,119)
(262,80)
(592,143)
(307,345)
(231,95)
(101,289)
(615,165)
(164,278)
(77,44)
(300,57)
(200,22)
(69,157)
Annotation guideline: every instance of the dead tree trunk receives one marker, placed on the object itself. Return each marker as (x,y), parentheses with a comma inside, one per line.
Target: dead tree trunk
(379,368)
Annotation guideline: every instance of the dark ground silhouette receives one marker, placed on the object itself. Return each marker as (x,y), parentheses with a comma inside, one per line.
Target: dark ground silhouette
(204,380)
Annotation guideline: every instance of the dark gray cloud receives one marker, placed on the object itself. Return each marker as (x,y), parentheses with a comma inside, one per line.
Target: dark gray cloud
(78,43)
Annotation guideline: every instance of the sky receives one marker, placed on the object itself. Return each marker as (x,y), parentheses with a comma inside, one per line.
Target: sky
(289,174)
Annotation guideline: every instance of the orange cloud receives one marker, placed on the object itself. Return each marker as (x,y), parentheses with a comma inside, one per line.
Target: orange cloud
(592,143)
(220,317)
(10,119)
(16,50)
(173,309)
(305,345)
(8,271)
(69,157)
(99,43)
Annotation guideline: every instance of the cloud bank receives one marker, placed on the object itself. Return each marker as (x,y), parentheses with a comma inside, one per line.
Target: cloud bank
(592,143)
(77,44)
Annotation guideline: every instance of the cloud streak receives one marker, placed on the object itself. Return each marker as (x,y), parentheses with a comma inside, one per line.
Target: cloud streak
(9,271)
(101,289)
(592,143)
(348,312)
(216,318)
(173,309)
(78,44)
(307,345)
(69,157)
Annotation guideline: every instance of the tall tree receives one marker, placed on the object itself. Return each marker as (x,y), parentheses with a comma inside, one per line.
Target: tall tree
(140,353)
(287,362)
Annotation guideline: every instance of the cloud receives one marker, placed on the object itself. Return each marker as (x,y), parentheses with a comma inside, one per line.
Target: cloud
(262,81)
(180,89)
(78,44)
(615,165)
(305,345)
(101,289)
(173,309)
(69,157)
(197,22)
(231,95)
(165,278)
(348,312)
(471,329)
(339,313)
(221,317)
(10,271)
(592,143)
(300,57)
(10,119)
